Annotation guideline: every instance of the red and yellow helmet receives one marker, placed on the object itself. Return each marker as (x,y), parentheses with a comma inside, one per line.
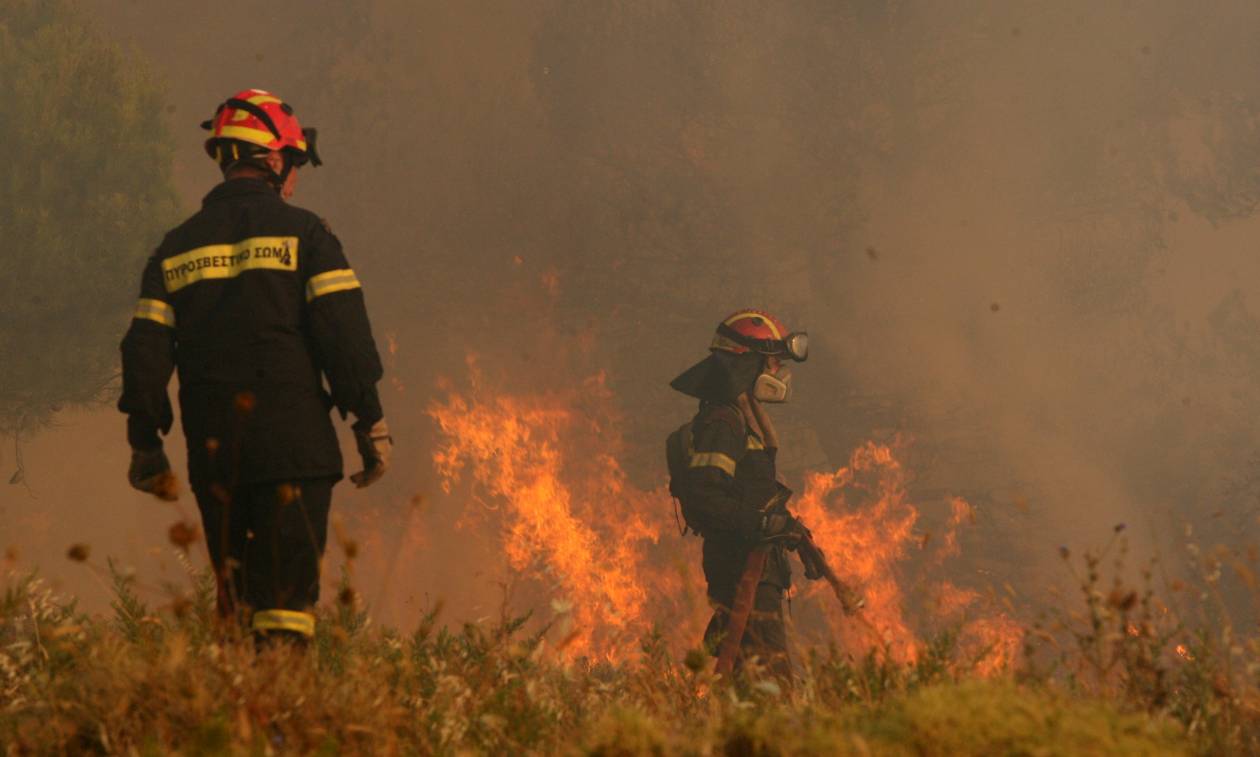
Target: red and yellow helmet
(255,121)
(758,331)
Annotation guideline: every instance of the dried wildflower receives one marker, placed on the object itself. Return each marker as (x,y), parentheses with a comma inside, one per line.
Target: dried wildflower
(347,596)
(182,534)
(1122,601)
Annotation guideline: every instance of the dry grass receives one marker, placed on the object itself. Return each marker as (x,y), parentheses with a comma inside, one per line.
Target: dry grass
(164,681)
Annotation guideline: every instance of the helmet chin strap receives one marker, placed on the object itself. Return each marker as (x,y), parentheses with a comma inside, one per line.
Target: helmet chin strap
(277,178)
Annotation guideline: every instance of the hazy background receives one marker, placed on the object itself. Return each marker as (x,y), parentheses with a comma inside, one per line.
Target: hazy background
(1021,234)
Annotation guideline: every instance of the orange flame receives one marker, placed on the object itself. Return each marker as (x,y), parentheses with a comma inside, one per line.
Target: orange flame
(589,542)
(865,543)
(571,517)
(960,511)
(991,644)
(952,601)
(862,518)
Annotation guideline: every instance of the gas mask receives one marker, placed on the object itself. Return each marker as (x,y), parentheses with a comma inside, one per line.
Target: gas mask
(774,387)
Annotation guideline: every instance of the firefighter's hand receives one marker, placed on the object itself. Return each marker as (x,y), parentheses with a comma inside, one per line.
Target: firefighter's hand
(782,527)
(375,445)
(810,560)
(150,472)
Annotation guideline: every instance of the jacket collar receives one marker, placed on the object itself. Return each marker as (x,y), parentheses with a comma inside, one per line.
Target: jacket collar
(232,188)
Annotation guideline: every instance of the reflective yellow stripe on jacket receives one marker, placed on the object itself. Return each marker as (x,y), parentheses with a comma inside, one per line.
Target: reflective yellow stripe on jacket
(284,620)
(717,459)
(713,460)
(156,311)
(331,281)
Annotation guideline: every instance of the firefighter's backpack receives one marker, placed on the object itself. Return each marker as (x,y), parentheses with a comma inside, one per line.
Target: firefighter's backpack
(678,449)
(678,452)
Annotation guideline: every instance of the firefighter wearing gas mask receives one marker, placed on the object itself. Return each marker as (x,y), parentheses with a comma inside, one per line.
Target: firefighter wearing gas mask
(722,471)
(254,303)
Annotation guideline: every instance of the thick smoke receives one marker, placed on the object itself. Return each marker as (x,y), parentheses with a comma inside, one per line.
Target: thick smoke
(1021,235)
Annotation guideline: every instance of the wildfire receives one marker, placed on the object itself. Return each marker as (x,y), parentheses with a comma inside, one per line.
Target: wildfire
(546,467)
(959,510)
(862,518)
(991,643)
(567,512)
(865,543)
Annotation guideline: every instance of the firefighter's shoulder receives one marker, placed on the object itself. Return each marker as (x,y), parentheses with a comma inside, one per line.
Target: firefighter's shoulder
(719,419)
(321,228)
(309,219)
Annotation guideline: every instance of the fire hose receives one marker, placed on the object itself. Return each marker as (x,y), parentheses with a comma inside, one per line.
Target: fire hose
(816,566)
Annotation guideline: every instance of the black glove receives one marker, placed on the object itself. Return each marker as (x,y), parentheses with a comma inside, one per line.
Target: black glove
(811,561)
(375,446)
(780,526)
(150,472)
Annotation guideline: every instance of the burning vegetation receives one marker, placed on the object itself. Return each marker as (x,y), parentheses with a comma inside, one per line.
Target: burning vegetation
(542,470)
(986,228)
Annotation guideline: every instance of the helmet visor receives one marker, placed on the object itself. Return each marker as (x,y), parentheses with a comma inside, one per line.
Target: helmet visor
(794,346)
(797,346)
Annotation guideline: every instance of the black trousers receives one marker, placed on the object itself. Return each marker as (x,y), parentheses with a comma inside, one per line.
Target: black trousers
(765,636)
(266,542)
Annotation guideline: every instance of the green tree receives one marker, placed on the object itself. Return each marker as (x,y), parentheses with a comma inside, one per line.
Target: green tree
(85,192)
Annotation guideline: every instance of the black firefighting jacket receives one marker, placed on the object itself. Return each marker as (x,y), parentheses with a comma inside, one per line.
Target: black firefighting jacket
(729,478)
(254,303)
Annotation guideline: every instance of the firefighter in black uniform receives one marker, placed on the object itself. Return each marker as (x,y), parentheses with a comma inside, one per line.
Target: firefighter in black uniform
(254,303)
(722,470)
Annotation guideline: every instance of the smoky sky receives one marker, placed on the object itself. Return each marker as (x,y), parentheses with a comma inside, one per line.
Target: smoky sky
(1020,234)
